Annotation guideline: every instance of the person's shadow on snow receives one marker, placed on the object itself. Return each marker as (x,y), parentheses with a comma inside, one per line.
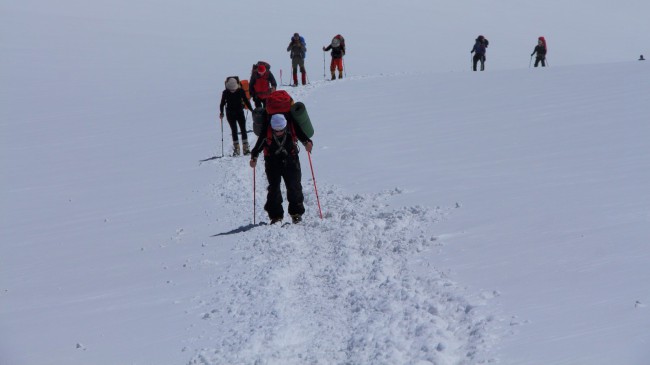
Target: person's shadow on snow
(240,229)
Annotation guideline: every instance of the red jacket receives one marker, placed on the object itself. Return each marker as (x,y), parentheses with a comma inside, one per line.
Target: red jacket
(262,84)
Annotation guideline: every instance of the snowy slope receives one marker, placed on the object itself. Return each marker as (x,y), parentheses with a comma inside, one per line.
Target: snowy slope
(339,290)
(468,217)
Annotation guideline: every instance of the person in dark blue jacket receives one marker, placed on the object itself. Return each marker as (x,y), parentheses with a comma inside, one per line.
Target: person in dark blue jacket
(480,46)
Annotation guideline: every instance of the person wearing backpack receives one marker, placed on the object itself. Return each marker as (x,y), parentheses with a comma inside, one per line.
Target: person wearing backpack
(298,49)
(262,83)
(234,99)
(540,49)
(337,46)
(479,49)
(278,140)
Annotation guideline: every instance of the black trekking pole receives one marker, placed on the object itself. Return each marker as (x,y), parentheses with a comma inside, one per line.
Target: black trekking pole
(531,60)
(345,70)
(221,118)
(546,61)
(324,75)
(254,205)
(471,62)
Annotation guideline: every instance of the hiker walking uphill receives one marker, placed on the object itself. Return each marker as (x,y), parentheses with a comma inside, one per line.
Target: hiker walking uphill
(337,46)
(262,83)
(234,99)
(298,49)
(540,49)
(278,140)
(479,49)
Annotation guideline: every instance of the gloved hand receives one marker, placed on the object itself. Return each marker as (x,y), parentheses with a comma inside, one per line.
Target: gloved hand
(253,162)
(324,48)
(308,146)
(220,115)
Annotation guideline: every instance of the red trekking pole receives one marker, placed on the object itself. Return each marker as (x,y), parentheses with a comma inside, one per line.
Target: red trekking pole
(315,188)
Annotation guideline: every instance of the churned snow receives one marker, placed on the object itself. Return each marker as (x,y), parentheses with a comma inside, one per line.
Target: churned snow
(468,218)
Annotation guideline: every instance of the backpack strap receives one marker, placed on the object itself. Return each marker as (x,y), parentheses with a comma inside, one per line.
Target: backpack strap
(294,138)
(269,139)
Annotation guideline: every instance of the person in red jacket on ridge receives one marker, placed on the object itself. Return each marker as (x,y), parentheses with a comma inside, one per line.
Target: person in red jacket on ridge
(262,84)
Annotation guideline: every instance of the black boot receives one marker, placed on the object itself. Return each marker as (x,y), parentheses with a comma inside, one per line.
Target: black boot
(296,218)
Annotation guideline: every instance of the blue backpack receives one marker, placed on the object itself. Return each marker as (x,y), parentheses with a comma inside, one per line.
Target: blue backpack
(302,41)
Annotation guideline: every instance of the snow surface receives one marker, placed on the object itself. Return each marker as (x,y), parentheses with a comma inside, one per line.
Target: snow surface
(495,217)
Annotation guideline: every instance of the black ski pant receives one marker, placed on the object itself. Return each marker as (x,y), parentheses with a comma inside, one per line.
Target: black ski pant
(540,59)
(287,169)
(235,118)
(477,58)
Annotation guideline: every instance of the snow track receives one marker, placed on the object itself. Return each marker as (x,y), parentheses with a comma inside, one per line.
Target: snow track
(337,290)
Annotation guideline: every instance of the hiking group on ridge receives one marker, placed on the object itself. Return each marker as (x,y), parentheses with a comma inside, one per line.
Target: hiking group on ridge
(280,123)
(480,49)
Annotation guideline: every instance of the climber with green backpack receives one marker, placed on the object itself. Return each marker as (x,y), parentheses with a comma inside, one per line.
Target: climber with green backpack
(283,124)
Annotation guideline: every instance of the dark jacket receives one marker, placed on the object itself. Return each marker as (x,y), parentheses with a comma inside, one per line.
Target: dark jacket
(297,49)
(337,52)
(234,101)
(540,50)
(480,45)
(479,48)
(270,146)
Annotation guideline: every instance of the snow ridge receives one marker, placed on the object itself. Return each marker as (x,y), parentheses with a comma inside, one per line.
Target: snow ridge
(337,290)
